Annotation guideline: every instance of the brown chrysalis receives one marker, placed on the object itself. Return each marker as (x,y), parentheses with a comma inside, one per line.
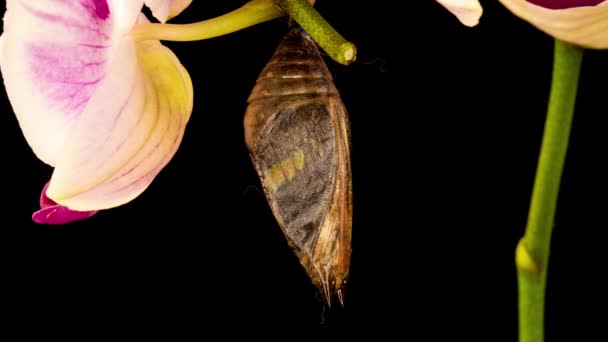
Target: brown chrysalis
(297,133)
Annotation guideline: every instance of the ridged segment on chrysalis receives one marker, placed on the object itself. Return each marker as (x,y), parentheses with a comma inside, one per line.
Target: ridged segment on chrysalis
(297,133)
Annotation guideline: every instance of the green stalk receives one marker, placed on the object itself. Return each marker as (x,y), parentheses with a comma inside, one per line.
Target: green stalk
(338,48)
(253,13)
(532,252)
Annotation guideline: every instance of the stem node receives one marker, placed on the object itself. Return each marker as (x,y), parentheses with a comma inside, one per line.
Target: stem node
(532,253)
(525,261)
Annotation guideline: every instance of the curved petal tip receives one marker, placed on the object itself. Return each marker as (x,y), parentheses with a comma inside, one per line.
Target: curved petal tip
(467,11)
(53,213)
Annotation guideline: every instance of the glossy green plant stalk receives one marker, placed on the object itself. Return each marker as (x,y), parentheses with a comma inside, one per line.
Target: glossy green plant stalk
(338,48)
(250,14)
(532,252)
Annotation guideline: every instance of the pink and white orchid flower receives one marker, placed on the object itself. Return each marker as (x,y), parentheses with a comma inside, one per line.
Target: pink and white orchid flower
(580,22)
(106,111)
(467,11)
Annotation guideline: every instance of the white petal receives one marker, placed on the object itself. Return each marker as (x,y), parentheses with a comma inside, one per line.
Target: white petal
(125,14)
(164,10)
(467,11)
(55,55)
(586,26)
(129,131)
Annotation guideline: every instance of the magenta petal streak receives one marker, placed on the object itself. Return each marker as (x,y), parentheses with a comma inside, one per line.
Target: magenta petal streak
(564,4)
(53,213)
(68,73)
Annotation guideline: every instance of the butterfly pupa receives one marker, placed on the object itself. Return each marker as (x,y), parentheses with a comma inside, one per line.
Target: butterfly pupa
(297,133)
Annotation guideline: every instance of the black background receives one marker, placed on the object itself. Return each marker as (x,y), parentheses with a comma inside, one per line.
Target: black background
(446,124)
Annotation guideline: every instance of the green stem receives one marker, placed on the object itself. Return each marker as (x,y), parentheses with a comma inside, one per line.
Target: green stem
(252,13)
(338,48)
(532,253)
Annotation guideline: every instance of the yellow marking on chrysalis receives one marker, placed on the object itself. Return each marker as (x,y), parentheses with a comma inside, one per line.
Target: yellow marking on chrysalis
(284,171)
(314,144)
(315,147)
(273,177)
(289,170)
(298,159)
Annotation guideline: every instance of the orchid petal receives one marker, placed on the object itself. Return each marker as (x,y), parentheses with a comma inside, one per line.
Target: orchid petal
(164,10)
(467,11)
(54,57)
(106,111)
(585,26)
(130,129)
(53,213)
